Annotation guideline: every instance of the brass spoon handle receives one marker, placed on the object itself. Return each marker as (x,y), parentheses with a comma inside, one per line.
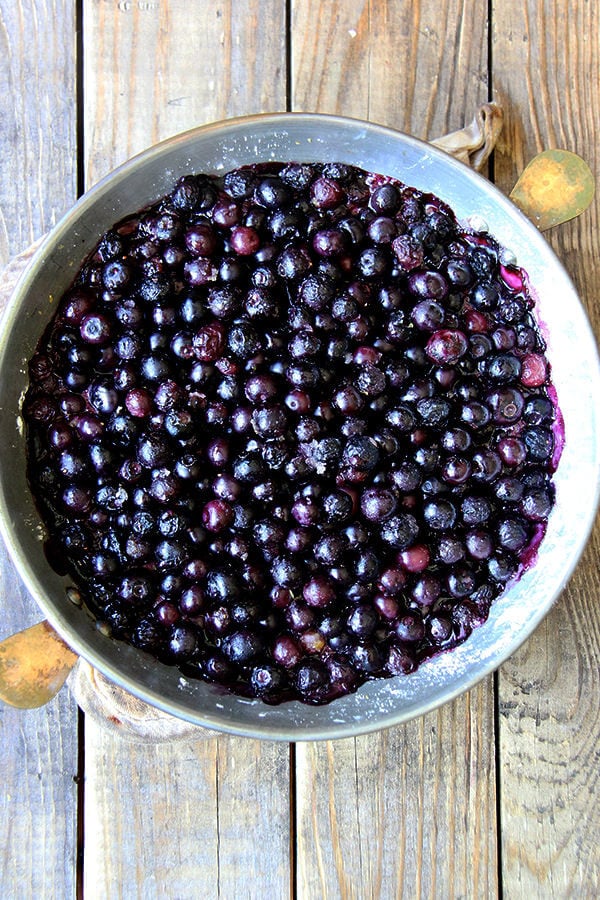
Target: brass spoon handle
(34,664)
(555,186)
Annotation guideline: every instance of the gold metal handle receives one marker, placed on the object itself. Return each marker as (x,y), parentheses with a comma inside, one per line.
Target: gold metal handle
(34,664)
(556,186)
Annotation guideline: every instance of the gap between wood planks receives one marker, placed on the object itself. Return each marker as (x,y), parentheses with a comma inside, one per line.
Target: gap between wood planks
(80,185)
(491,174)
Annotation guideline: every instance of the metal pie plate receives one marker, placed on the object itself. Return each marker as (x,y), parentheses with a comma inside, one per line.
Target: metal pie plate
(575,370)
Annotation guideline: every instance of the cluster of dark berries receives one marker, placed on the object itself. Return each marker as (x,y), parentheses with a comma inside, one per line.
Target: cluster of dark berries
(292,429)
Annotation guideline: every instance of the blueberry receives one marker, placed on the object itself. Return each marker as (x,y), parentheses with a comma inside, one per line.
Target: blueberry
(240,183)
(367,658)
(503,368)
(155,368)
(123,429)
(363,621)
(329,242)
(446,346)
(330,549)
(326,193)
(428,315)
(272,192)
(506,405)
(244,340)
(294,263)
(407,477)
(311,679)
(434,411)
(385,198)
(370,380)
(95,329)
(153,451)
(512,534)
(539,443)
(323,455)
(475,510)
(382,230)
(440,629)
(179,423)
(319,592)
(154,290)
(439,514)
(537,504)
(366,567)
(476,415)
(298,176)
(285,572)
(485,296)
(400,531)
(267,680)
(486,465)
(270,421)
(344,309)
(538,410)
(459,273)
(373,262)
(480,346)
(461,581)
(361,453)
(430,285)
(112,497)
(183,642)
(501,567)
(315,292)
(508,489)
(378,504)
(209,342)
(479,543)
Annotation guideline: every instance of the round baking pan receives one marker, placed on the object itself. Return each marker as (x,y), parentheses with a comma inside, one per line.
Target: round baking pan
(575,371)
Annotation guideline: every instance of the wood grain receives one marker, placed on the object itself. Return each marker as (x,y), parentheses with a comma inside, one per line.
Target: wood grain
(192,820)
(186,820)
(545,56)
(38,176)
(409,812)
(152,69)
(38,763)
(420,67)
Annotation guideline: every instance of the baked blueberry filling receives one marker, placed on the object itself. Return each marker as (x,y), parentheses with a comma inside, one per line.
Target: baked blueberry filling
(293,428)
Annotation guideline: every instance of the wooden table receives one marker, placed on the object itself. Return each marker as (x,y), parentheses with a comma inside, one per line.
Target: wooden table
(496,794)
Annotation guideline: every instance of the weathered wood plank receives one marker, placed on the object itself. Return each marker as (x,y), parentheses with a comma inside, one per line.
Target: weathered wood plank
(191,818)
(186,820)
(38,177)
(409,812)
(153,69)
(420,67)
(544,56)
(38,795)
(253,819)
(550,749)
(38,767)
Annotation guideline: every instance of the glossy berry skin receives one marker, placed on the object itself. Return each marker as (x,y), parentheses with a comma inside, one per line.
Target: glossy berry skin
(292,428)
